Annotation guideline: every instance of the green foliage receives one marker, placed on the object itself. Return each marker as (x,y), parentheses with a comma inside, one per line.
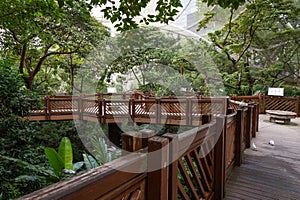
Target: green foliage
(15,98)
(23,163)
(291,91)
(37,39)
(55,161)
(62,161)
(89,161)
(102,152)
(20,177)
(66,153)
(257,46)
(124,14)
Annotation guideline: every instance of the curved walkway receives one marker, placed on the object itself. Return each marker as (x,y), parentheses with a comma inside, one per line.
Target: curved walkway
(269,172)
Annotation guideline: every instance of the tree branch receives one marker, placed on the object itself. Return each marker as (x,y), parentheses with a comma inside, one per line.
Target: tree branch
(229,26)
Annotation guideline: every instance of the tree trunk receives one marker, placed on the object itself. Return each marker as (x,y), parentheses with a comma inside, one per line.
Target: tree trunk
(249,77)
(28,82)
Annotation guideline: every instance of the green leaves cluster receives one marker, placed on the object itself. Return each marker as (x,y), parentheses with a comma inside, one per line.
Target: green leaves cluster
(63,159)
(127,14)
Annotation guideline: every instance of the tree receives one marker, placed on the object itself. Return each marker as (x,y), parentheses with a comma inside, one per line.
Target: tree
(143,56)
(241,35)
(36,30)
(127,14)
(275,50)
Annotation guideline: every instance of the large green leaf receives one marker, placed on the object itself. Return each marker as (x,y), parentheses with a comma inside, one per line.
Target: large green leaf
(66,153)
(55,160)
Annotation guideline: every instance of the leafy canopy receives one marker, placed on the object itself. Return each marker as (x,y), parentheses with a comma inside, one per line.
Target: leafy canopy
(125,13)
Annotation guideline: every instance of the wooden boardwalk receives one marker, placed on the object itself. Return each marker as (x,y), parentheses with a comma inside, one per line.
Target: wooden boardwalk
(269,172)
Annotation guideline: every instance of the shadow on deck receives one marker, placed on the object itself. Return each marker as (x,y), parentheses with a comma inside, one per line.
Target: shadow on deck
(269,172)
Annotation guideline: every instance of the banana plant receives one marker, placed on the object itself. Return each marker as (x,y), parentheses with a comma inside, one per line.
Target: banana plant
(62,161)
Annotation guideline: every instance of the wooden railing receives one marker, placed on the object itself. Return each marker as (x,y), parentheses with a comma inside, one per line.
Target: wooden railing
(121,108)
(200,159)
(272,102)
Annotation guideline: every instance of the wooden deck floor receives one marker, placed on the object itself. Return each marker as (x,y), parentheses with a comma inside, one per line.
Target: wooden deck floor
(269,172)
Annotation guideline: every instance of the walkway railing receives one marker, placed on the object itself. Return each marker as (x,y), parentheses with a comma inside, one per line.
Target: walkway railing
(121,108)
(202,158)
(272,102)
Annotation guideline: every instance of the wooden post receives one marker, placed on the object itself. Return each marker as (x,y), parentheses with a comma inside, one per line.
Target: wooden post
(131,141)
(188,111)
(104,110)
(173,168)
(239,136)
(99,104)
(263,104)
(249,125)
(158,111)
(257,118)
(230,111)
(46,107)
(131,109)
(114,134)
(219,161)
(206,118)
(158,159)
(226,105)
(254,120)
(146,134)
(80,108)
(49,107)
(297,106)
